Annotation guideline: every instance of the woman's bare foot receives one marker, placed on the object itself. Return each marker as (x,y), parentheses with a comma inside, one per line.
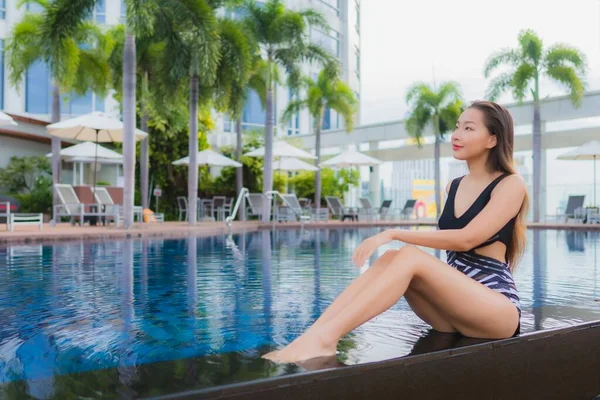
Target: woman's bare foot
(307,346)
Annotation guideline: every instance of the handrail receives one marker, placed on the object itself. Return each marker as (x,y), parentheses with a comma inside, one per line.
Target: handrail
(274,193)
(243,194)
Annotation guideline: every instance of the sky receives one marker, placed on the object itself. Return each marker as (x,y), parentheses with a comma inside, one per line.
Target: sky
(407,41)
(403,42)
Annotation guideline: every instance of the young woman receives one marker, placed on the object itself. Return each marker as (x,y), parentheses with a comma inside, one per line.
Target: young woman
(482,228)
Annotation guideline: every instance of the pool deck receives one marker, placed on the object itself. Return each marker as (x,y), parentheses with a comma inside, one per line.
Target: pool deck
(29,234)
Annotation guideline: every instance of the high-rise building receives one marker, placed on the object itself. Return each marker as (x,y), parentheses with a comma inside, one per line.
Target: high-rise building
(342,40)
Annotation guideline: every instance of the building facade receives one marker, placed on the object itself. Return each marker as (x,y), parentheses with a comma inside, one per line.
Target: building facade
(342,40)
(33,97)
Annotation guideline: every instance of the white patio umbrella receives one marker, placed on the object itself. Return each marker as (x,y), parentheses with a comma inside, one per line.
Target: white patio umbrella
(281,149)
(350,158)
(294,164)
(587,151)
(211,159)
(6,119)
(95,126)
(89,153)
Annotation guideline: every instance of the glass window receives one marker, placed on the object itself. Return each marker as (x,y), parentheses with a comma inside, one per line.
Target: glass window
(294,124)
(37,89)
(100,12)
(2,9)
(329,41)
(357,3)
(254,113)
(326,119)
(357,54)
(227,123)
(1,74)
(79,104)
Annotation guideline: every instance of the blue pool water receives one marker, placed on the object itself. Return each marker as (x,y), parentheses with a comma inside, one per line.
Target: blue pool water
(145,317)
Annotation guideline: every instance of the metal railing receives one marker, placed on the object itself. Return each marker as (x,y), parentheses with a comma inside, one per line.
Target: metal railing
(241,197)
(271,195)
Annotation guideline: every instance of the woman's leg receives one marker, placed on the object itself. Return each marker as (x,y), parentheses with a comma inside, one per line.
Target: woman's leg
(473,309)
(353,290)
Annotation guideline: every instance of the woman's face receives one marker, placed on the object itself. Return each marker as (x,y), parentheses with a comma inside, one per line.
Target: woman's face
(471,137)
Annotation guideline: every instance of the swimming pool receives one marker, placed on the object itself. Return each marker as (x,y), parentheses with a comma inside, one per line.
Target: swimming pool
(135,318)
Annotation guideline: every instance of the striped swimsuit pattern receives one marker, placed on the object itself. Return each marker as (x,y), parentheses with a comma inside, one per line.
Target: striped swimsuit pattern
(488,271)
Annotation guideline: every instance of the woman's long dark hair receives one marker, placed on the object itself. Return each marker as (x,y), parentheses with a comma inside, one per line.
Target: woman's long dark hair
(499,122)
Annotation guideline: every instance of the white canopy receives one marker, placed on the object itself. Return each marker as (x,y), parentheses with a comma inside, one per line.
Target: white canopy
(210,158)
(293,164)
(96,126)
(350,158)
(587,151)
(86,152)
(6,119)
(281,149)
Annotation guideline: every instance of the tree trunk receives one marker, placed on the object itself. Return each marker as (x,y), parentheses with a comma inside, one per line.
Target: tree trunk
(537,160)
(268,160)
(239,172)
(318,172)
(56,145)
(436,157)
(193,152)
(129,122)
(144,148)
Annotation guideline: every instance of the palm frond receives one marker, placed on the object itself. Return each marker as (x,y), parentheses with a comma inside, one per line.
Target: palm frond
(499,85)
(522,79)
(565,55)
(508,57)
(569,79)
(315,19)
(531,46)
(448,116)
(294,107)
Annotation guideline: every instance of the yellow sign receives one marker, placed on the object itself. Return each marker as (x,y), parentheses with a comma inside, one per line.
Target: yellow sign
(424,192)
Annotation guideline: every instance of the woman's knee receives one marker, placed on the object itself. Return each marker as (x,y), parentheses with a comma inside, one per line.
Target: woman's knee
(408,255)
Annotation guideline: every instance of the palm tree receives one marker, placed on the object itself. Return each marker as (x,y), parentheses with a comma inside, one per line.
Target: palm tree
(283,38)
(214,56)
(327,92)
(74,50)
(438,108)
(150,85)
(257,82)
(529,62)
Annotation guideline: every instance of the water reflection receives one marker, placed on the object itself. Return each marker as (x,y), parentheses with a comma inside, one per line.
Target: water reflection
(135,318)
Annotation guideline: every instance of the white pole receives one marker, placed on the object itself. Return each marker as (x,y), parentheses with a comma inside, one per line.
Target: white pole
(81,173)
(74,173)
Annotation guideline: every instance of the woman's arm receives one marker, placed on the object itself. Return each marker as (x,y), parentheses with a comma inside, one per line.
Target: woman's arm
(504,204)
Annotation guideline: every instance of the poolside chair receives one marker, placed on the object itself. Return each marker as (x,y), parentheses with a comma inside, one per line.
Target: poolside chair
(304,203)
(220,207)
(8,205)
(573,210)
(409,208)
(256,203)
(338,210)
(102,196)
(292,210)
(70,206)
(182,203)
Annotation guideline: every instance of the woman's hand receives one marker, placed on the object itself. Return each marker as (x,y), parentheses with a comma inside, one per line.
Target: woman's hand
(368,247)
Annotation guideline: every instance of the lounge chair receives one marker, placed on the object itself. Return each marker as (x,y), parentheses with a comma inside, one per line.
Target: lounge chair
(8,205)
(256,203)
(292,211)
(102,196)
(338,210)
(409,208)
(370,213)
(70,206)
(573,210)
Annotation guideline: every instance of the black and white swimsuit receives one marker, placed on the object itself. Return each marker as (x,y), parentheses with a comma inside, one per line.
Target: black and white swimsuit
(488,271)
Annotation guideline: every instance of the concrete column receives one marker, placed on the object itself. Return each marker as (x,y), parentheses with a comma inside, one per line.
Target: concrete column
(543,176)
(374,179)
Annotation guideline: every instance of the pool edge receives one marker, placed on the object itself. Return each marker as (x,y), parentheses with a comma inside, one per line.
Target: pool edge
(557,363)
